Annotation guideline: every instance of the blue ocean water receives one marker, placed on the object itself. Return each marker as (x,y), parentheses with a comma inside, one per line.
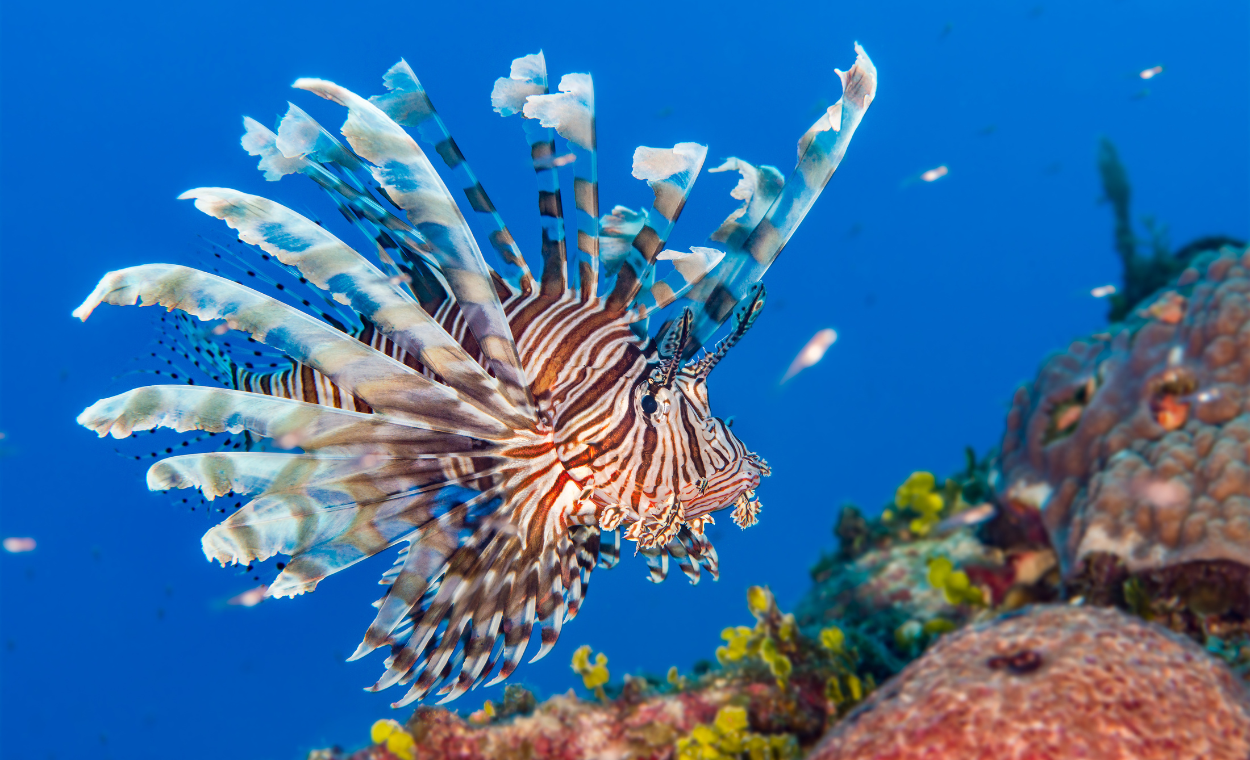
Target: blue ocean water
(115,641)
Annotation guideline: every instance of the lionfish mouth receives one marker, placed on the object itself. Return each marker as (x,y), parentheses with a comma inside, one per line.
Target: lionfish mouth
(746,507)
(757,461)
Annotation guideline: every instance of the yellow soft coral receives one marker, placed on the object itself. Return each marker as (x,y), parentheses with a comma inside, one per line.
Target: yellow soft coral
(727,738)
(398,741)
(741,644)
(833,639)
(485,715)
(593,676)
(953,583)
(917,494)
(778,664)
(762,641)
(854,689)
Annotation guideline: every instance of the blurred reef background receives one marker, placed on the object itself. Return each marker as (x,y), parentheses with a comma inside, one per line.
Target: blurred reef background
(1077,552)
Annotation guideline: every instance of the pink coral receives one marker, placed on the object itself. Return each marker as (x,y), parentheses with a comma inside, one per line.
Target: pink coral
(1053,683)
(1133,443)
(567,728)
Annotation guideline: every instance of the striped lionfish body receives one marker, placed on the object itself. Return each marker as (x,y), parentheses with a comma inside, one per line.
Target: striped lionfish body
(504,429)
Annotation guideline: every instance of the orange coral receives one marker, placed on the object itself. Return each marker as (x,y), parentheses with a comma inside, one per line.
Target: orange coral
(1154,471)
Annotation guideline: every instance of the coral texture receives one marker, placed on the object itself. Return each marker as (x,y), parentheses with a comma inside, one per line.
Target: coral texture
(568,728)
(890,579)
(1133,443)
(1053,682)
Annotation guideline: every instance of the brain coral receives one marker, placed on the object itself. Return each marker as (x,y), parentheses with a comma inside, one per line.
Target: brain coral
(1052,683)
(1134,443)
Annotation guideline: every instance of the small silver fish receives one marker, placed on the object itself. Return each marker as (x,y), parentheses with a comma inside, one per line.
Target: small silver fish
(970,516)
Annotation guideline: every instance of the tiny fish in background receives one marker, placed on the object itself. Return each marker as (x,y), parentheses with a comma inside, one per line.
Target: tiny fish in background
(17,545)
(552,162)
(927,176)
(812,353)
(249,598)
(1151,73)
(970,516)
(1102,291)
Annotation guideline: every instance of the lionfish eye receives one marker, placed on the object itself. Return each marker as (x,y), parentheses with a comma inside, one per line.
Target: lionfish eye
(649,404)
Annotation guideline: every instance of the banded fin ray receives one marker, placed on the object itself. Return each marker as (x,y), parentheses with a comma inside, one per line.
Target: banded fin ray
(689,268)
(528,76)
(250,472)
(411,183)
(820,152)
(356,205)
(671,174)
(571,112)
(408,104)
(291,424)
(343,522)
(304,146)
(516,569)
(376,378)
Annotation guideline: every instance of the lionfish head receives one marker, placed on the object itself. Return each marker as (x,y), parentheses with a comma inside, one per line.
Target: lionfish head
(717,468)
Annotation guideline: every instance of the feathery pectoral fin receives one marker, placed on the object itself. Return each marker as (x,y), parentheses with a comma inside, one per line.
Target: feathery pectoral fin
(291,424)
(465,582)
(383,383)
(334,266)
(411,183)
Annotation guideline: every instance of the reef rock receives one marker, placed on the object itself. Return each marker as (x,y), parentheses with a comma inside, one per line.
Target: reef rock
(1133,443)
(890,579)
(1053,682)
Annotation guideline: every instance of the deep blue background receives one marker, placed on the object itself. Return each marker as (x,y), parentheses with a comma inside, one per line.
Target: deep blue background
(115,641)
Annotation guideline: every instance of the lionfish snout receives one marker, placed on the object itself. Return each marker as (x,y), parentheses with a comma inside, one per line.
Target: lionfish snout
(731,487)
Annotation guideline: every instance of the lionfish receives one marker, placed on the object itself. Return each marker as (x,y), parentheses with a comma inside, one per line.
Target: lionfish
(504,427)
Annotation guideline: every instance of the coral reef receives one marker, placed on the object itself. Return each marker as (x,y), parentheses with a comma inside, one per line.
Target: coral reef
(1053,682)
(727,738)
(774,693)
(927,566)
(1124,480)
(1131,447)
